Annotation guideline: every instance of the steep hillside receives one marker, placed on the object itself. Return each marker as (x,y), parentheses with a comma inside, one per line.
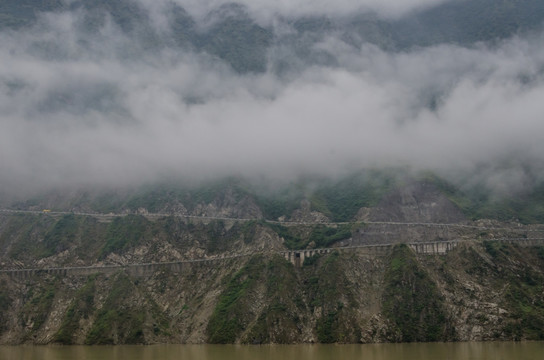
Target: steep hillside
(246,291)
(479,291)
(172,223)
(229,33)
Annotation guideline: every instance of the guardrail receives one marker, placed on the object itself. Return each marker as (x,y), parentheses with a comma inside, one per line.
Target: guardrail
(296,257)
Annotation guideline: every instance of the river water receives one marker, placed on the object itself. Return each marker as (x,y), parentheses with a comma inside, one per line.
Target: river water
(431,351)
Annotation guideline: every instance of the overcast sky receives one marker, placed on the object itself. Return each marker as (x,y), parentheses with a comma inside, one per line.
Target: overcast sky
(74,112)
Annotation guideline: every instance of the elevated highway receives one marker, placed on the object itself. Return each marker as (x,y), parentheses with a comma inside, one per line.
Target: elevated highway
(296,257)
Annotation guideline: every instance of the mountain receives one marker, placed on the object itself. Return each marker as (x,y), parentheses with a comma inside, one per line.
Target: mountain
(345,297)
(173,172)
(233,36)
(467,22)
(248,291)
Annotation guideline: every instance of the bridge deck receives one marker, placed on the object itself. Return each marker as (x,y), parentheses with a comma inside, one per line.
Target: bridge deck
(294,256)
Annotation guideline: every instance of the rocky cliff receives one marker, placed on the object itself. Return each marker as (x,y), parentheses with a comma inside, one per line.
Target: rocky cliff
(478,291)
(483,289)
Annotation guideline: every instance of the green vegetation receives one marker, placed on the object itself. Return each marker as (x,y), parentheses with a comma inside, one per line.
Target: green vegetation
(325,236)
(91,235)
(158,198)
(61,236)
(218,237)
(281,202)
(291,236)
(312,260)
(340,200)
(268,300)
(528,311)
(81,308)
(412,302)
(118,321)
(5,303)
(327,328)
(540,252)
(248,229)
(154,198)
(124,232)
(525,288)
(323,281)
(36,310)
(279,321)
(330,291)
(496,249)
(299,237)
(227,320)
(337,199)
(38,236)
(479,202)
(25,231)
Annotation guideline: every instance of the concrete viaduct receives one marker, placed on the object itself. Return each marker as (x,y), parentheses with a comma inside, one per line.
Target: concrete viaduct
(296,257)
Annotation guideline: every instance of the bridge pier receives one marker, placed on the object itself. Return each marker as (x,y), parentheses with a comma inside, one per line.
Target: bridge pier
(433,248)
(296,257)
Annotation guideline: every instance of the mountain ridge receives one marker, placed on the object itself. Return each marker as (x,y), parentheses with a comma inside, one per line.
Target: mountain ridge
(237,39)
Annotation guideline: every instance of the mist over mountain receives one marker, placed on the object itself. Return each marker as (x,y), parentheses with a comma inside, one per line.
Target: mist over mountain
(127,92)
(263,171)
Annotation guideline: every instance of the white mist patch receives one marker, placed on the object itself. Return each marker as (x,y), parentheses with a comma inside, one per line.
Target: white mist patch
(98,116)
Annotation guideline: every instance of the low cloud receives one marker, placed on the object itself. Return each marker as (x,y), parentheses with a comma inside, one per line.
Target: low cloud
(79,112)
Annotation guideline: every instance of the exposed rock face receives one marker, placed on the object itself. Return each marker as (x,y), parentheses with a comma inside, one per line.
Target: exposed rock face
(476,292)
(417,203)
(306,215)
(228,206)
